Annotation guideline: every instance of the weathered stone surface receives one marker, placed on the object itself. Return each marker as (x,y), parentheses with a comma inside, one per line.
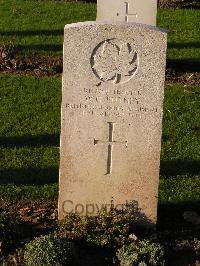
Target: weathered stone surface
(112,99)
(140,11)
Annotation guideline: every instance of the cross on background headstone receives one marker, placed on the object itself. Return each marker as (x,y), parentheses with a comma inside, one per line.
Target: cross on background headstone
(110,143)
(140,11)
(127,14)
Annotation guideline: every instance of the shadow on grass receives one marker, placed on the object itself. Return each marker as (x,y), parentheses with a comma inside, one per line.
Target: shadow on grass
(29,176)
(184,45)
(172,226)
(184,65)
(32,32)
(170,216)
(39,47)
(194,4)
(30,141)
(178,167)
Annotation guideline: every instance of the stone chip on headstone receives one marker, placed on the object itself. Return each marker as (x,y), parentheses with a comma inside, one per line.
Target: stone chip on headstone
(112,105)
(140,11)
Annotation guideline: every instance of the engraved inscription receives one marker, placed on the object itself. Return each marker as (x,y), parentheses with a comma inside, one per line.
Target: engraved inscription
(114,61)
(113,103)
(110,143)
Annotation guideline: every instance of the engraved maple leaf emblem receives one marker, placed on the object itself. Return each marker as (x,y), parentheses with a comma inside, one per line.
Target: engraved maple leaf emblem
(115,62)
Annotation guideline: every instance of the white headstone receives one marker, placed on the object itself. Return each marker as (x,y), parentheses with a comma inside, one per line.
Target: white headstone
(112,98)
(139,11)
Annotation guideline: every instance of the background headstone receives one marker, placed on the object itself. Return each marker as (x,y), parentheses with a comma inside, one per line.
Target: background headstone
(140,11)
(112,98)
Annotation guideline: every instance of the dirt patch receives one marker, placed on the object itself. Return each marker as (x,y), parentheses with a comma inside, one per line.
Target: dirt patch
(37,66)
(189,78)
(195,4)
(40,214)
(185,72)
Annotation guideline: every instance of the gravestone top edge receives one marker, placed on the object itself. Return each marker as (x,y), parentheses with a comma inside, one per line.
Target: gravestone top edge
(104,23)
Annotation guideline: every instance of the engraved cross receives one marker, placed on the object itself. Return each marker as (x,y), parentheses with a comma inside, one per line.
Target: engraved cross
(110,143)
(127,6)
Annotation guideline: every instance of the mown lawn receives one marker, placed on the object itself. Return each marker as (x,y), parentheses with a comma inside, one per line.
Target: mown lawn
(36,27)
(183,27)
(29,136)
(180,156)
(29,142)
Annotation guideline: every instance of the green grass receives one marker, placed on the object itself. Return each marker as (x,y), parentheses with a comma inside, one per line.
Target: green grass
(29,142)
(36,28)
(180,156)
(30,105)
(183,27)
(181,130)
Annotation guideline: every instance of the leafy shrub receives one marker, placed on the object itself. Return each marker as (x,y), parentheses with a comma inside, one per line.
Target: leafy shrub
(141,253)
(10,227)
(105,230)
(49,251)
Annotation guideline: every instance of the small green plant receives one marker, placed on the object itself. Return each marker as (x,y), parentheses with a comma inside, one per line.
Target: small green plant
(105,230)
(49,251)
(108,229)
(141,253)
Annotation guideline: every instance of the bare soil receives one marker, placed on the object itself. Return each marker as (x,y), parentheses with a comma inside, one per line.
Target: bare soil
(195,4)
